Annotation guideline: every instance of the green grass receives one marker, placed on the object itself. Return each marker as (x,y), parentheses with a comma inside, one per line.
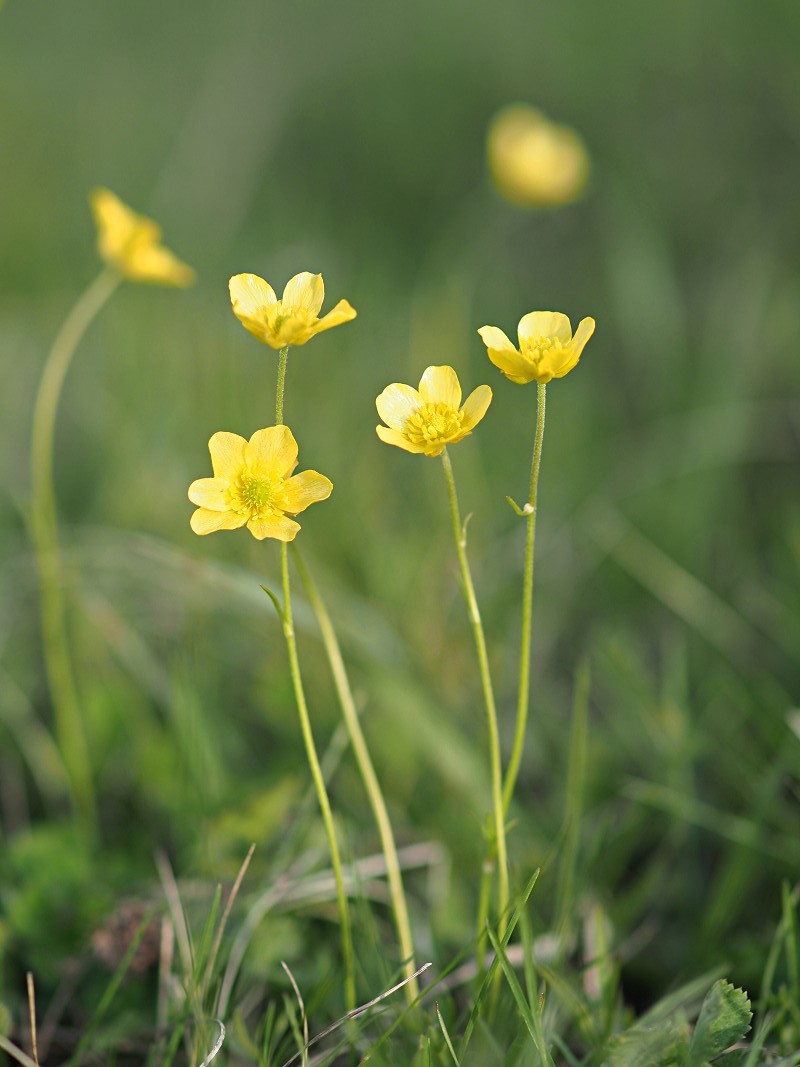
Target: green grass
(663,812)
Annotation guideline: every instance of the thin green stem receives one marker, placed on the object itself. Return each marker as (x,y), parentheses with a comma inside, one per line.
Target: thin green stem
(69,725)
(319,781)
(488,693)
(282,360)
(367,771)
(523,699)
(308,736)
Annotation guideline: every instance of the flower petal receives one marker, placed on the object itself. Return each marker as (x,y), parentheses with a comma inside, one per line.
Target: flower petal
(397,403)
(513,364)
(305,488)
(116,223)
(494,337)
(343,312)
(204,521)
(475,407)
(277,526)
(154,263)
(304,291)
(227,454)
(210,493)
(394,437)
(440,385)
(250,295)
(274,450)
(550,324)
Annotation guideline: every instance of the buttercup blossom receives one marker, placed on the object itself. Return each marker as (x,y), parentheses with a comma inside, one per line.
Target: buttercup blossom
(132,245)
(430,418)
(292,320)
(253,485)
(547,348)
(535,162)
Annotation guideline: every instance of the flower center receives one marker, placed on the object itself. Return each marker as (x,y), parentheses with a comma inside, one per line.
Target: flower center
(541,348)
(252,494)
(433,422)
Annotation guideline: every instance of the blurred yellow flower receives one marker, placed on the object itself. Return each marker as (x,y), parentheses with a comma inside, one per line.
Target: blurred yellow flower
(535,162)
(428,419)
(292,320)
(253,487)
(547,348)
(131,243)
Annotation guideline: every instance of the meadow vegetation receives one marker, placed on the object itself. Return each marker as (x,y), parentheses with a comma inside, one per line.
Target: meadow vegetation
(188,870)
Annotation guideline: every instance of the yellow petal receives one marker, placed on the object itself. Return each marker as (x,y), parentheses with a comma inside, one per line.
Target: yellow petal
(305,488)
(397,403)
(305,291)
(582,334)
(274,450)
(440,385)
(209,493)
(573,351)
(154,263)
(204,521)
(343,312)
(116,223)
(394,437)
(475,407)
(278,526)
(250,295)
(550,324)
(227,454)
(494,337)
(513,364)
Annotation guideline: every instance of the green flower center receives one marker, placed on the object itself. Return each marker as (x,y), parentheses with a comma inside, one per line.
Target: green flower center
(252,495)
(433,423)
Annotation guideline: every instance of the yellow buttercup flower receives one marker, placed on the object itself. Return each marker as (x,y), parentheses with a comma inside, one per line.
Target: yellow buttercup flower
(547,348)
(132,245)
(429,419)
(292,320)
(535,162)
(253,485)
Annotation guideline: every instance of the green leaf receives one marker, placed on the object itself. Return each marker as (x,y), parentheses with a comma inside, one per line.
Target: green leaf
(663,1045)
(724,1019)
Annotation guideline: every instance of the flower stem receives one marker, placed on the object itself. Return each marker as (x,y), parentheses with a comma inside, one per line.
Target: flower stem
(527,607)
(69,725)
(488,693)
(319,781)
(308,736)
(282,359)
(367,770)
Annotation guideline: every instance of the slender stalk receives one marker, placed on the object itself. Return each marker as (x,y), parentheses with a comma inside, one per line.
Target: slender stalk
(319,781)
(488,693)
(308,736)
(527,607)
(282,359)
(367,770)
(69,724)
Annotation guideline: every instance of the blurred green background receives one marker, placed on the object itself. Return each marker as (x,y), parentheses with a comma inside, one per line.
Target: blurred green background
(348,139)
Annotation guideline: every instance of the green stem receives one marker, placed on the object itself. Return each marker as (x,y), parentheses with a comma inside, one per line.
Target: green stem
(488,694)
(69,725)
(319,781)
(308,736)
(367,770)
(282,359)
(527,608)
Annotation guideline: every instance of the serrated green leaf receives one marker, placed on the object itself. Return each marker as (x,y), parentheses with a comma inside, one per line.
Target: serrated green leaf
(664,1045)
(724,1019)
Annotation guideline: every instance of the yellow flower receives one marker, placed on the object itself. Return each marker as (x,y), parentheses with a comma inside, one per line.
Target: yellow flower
(428,419)
(547,348)
(131,243)
(292,320)
(534,162)
(252,485)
